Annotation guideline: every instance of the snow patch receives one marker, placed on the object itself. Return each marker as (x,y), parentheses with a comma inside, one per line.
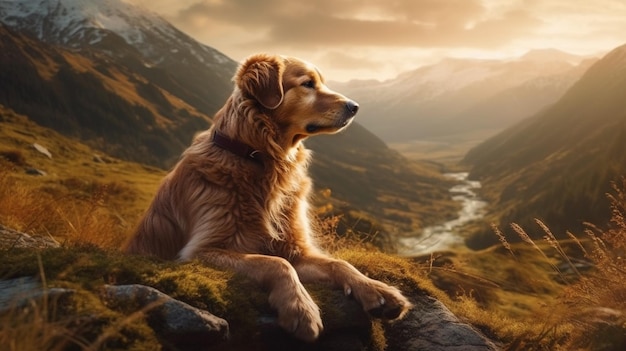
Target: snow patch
(87,22)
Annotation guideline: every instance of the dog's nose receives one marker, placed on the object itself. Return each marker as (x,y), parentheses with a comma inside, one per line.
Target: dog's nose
(352,107)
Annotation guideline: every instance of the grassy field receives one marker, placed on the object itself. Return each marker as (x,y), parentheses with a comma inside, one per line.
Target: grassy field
(447,150)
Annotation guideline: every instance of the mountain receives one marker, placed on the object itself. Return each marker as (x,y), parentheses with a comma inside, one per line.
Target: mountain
(144,105)
(464,96)
(559,164)
(159,84)
(548,54)
(106,104)
(130,36)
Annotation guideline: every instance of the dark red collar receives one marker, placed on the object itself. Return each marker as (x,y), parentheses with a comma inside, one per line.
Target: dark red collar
(236,147)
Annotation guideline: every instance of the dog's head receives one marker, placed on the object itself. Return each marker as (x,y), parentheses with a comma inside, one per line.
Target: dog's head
(292,93)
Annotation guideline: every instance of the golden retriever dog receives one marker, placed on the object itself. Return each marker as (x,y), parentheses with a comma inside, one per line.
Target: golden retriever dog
(238,197)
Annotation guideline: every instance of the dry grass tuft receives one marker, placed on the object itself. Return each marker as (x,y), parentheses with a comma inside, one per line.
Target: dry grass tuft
(590,313)
(73,217)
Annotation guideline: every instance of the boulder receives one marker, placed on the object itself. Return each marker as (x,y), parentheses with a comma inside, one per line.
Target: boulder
(175,322)
(10,238)
(21,292)
(430,326)
(42,150)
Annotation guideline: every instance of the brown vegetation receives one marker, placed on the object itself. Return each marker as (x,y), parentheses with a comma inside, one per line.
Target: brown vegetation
(546,294)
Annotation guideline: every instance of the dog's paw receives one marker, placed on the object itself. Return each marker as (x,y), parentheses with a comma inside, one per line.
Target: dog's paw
(302,319)
(379,299)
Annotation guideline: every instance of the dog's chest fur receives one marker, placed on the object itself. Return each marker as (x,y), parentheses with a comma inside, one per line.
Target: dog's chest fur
(285,209)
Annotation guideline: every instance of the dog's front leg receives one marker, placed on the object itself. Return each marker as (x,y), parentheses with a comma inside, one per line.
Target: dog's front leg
(377,298)
(297,313)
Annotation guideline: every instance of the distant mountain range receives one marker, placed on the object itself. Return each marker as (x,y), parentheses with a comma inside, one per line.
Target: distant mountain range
(559,164)
(464,97)
(125,81)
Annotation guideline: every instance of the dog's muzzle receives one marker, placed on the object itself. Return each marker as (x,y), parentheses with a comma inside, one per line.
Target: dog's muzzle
(352,107)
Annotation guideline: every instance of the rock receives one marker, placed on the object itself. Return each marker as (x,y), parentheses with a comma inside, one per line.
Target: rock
(21,292)
(12,288)
(100,159)
(35,171)
(346,328)
(430,326)
(176,322)
(10,238)
(42,150)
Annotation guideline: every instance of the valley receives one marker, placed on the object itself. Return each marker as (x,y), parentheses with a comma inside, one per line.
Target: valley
(447,236)
(448,150)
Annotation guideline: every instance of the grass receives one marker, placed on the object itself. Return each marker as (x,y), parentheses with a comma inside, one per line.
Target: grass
(79,200)
(545,294)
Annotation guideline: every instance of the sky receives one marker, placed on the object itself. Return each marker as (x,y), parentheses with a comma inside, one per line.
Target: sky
(378,39)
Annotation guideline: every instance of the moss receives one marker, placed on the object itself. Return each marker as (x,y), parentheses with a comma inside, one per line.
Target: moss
(76,323)
(392,270)
(86,268)
(86,320)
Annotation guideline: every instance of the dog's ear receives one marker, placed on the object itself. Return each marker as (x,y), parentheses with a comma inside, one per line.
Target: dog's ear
(261,77)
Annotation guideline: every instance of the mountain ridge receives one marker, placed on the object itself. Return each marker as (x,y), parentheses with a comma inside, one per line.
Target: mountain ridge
(80,23)
(558,164)
(457,97)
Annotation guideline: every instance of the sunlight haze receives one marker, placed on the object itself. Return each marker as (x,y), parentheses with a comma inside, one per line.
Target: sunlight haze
(373,39)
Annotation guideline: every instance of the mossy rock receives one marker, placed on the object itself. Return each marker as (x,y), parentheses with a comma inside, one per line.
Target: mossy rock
(86,269)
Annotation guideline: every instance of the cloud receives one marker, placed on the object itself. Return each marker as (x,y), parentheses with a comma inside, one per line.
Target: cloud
(342,23)
(378,38)
(342,60)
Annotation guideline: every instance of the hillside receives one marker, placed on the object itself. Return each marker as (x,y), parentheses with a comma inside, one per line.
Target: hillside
(75,193)
(88,203)
(369,177)
(558,165)
(107,105)
(129,36)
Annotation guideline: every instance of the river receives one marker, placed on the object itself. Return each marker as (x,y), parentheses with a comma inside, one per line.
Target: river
(446,236)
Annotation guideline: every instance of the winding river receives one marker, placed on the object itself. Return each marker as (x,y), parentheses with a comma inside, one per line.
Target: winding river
(446,236)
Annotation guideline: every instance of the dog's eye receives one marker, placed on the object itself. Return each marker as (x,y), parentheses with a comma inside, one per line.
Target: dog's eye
(309,84)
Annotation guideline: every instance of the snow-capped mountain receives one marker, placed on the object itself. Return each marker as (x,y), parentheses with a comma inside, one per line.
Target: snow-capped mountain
(450,97)
(90,23)
(130,36)
(151,71)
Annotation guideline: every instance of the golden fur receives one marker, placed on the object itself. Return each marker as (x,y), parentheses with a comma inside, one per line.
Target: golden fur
(253,218)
